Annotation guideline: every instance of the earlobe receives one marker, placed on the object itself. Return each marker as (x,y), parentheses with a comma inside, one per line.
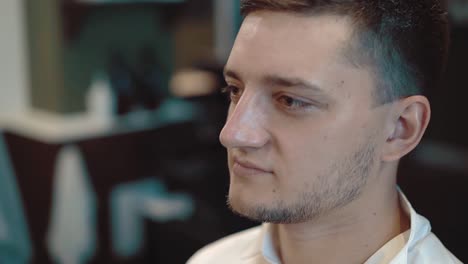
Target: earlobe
(412,116)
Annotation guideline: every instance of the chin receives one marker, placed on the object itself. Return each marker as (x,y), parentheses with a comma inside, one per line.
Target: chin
(275,213)
(239,198)
(242,208)
(243,201)
(266,207)
(257,208)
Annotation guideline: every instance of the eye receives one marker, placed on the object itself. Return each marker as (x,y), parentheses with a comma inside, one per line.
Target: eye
(293,104)
(233,92)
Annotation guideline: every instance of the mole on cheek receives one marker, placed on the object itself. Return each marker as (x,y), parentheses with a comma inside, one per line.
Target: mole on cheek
(274,190)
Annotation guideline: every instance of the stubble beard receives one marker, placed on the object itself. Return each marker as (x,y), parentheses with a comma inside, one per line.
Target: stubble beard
(320,197)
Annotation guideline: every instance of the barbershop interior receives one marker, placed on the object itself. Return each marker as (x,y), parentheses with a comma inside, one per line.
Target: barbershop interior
(110,114)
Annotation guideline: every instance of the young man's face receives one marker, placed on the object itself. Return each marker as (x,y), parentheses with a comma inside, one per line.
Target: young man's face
(302,133)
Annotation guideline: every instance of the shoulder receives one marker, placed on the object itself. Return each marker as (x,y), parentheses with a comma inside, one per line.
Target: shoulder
(431,250)
(229,249)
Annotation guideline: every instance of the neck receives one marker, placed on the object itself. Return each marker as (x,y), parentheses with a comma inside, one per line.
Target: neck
(347,235)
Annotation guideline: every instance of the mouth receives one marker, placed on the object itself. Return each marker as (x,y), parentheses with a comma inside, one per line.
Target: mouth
(247,168)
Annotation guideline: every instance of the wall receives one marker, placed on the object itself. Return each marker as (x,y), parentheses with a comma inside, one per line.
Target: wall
(14,80)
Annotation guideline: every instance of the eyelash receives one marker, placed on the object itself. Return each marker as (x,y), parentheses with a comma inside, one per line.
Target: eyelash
(229,91)
(292,103)
(288,102)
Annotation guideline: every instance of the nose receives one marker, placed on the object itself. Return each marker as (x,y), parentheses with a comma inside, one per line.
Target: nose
(245,126)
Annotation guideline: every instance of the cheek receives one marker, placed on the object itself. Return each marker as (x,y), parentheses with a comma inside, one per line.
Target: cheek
(303,158)
(307,153)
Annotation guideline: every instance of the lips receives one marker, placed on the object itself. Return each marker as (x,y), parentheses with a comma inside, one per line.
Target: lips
(247,168)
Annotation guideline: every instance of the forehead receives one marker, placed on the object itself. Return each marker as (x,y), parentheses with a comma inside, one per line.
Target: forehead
(290,36)
(311,47)
(283,24)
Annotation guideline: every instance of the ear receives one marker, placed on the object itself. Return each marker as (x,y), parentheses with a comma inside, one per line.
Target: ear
(410,117)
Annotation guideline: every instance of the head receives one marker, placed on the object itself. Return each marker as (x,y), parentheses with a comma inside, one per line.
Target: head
(325,100)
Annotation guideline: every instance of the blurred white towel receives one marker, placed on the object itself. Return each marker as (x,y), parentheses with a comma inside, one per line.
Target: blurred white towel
(71,237)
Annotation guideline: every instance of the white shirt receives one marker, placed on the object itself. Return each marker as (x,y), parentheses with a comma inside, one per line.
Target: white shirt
(418,245)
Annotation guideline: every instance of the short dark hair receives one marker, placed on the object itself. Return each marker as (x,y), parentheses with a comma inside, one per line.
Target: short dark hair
(405,41)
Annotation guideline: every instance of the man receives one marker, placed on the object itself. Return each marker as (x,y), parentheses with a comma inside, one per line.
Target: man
(325,101)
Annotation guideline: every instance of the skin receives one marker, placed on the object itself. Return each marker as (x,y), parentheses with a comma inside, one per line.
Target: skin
(308,149)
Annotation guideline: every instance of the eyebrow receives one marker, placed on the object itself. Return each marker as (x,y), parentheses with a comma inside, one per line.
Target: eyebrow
(230,73)
(276,80)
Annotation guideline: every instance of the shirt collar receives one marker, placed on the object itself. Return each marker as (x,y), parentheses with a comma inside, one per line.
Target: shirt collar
(268,248)
(395,250)
(419,229)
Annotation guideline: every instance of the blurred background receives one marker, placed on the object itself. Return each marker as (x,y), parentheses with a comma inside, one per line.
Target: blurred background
(109,118)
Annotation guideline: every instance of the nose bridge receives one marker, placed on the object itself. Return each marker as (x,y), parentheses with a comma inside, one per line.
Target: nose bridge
(248,111)
(245,125)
